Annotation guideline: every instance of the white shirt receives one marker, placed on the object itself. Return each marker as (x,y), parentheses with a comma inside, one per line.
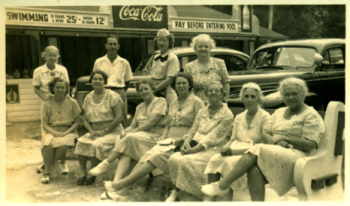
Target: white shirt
(43,75)
(118,72)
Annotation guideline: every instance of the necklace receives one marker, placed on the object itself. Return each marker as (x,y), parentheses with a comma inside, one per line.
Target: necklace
(59,105)
(98,97)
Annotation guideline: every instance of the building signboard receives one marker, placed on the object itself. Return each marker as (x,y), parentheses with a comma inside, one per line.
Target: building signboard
(48,18)
(140,17)
(201,25)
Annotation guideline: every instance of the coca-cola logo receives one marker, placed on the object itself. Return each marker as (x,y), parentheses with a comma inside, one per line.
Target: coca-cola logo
(149,13)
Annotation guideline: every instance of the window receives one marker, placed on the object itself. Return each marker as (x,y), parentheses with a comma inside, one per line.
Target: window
(185,60)
(233,64)
(333,59)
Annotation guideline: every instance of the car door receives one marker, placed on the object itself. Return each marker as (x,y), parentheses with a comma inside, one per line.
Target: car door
(234,63)
(331,84)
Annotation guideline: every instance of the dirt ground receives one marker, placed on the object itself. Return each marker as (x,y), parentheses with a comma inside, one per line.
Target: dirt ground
(23,183)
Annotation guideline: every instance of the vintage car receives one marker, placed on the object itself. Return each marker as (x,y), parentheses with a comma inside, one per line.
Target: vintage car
(320,62)
(235,61)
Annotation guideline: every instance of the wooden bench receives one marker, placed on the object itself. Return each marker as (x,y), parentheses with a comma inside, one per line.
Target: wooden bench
(318,177)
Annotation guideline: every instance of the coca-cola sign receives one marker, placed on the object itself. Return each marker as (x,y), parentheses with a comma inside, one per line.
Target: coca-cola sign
(142,17)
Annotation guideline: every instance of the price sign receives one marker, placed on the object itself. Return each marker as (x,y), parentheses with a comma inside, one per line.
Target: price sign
(56,19)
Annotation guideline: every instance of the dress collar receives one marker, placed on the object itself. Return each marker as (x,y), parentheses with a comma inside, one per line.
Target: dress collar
(162,55)
(218,114)
(46,69)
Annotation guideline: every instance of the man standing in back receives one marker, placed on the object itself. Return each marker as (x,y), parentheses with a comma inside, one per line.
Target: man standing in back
(118,70)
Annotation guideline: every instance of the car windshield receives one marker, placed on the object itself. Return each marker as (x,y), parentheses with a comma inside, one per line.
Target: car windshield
(284,57)
(141,67)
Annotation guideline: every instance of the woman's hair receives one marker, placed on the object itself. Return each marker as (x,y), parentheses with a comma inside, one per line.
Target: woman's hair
(151,84)
(104,75)
(171,39)
(202,37)
(53,82)
(184,75)
(111,36)
(253,86)
(301,84)
(50,48)
(218,83)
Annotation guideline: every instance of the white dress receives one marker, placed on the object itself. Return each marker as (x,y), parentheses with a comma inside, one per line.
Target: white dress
(244,136)
(276,162)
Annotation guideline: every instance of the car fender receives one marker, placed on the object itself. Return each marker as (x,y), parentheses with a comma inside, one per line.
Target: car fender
(275,99)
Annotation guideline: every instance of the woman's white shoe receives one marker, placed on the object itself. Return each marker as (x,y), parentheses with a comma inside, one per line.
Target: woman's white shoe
(213,189)
(173,195)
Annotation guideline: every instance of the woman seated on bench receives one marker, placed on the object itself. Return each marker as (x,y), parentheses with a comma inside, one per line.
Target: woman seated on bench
(182,113)
(102,118)
(60,117)
(142,134)
(247,128)
(293,132)
(208,133)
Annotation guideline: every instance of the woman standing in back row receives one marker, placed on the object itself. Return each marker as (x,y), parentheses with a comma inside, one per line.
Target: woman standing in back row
(165,66)
(206,69)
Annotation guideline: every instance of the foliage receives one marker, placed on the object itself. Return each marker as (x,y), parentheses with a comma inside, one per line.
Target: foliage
(305,21)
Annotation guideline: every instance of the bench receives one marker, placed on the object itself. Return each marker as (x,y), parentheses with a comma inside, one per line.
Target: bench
(318,177)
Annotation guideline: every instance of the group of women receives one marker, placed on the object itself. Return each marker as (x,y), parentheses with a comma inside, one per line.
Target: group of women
(192,137)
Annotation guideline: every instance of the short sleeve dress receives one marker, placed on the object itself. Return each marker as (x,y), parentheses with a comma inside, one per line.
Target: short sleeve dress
(60,119)
(180,120)
(163,66)
(136,144)
(216,72)
(244,136)
(99,115)
(276,162)
(187,171)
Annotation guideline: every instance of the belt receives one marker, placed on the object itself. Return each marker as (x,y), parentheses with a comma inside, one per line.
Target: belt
(114,87)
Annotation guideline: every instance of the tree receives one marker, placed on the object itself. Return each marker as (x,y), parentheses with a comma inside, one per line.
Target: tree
(305,21)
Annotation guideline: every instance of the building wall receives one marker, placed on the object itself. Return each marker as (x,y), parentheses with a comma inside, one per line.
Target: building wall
(28,109)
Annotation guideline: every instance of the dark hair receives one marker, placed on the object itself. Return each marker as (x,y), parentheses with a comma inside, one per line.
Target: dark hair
(111,36)
(151,84)
(52,83)
(104,75)
(171,39)
(184,75)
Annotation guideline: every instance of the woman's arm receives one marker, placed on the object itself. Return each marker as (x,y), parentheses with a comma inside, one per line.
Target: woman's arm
(73,127)
(304,145)
(45,120)
(39,93)
(165,131)
(48,129)
(164,84)
(87,124)
(117,111)
(266,137)
(153,120)
(227,91)
(188,137)
(219,133)
(192,150)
